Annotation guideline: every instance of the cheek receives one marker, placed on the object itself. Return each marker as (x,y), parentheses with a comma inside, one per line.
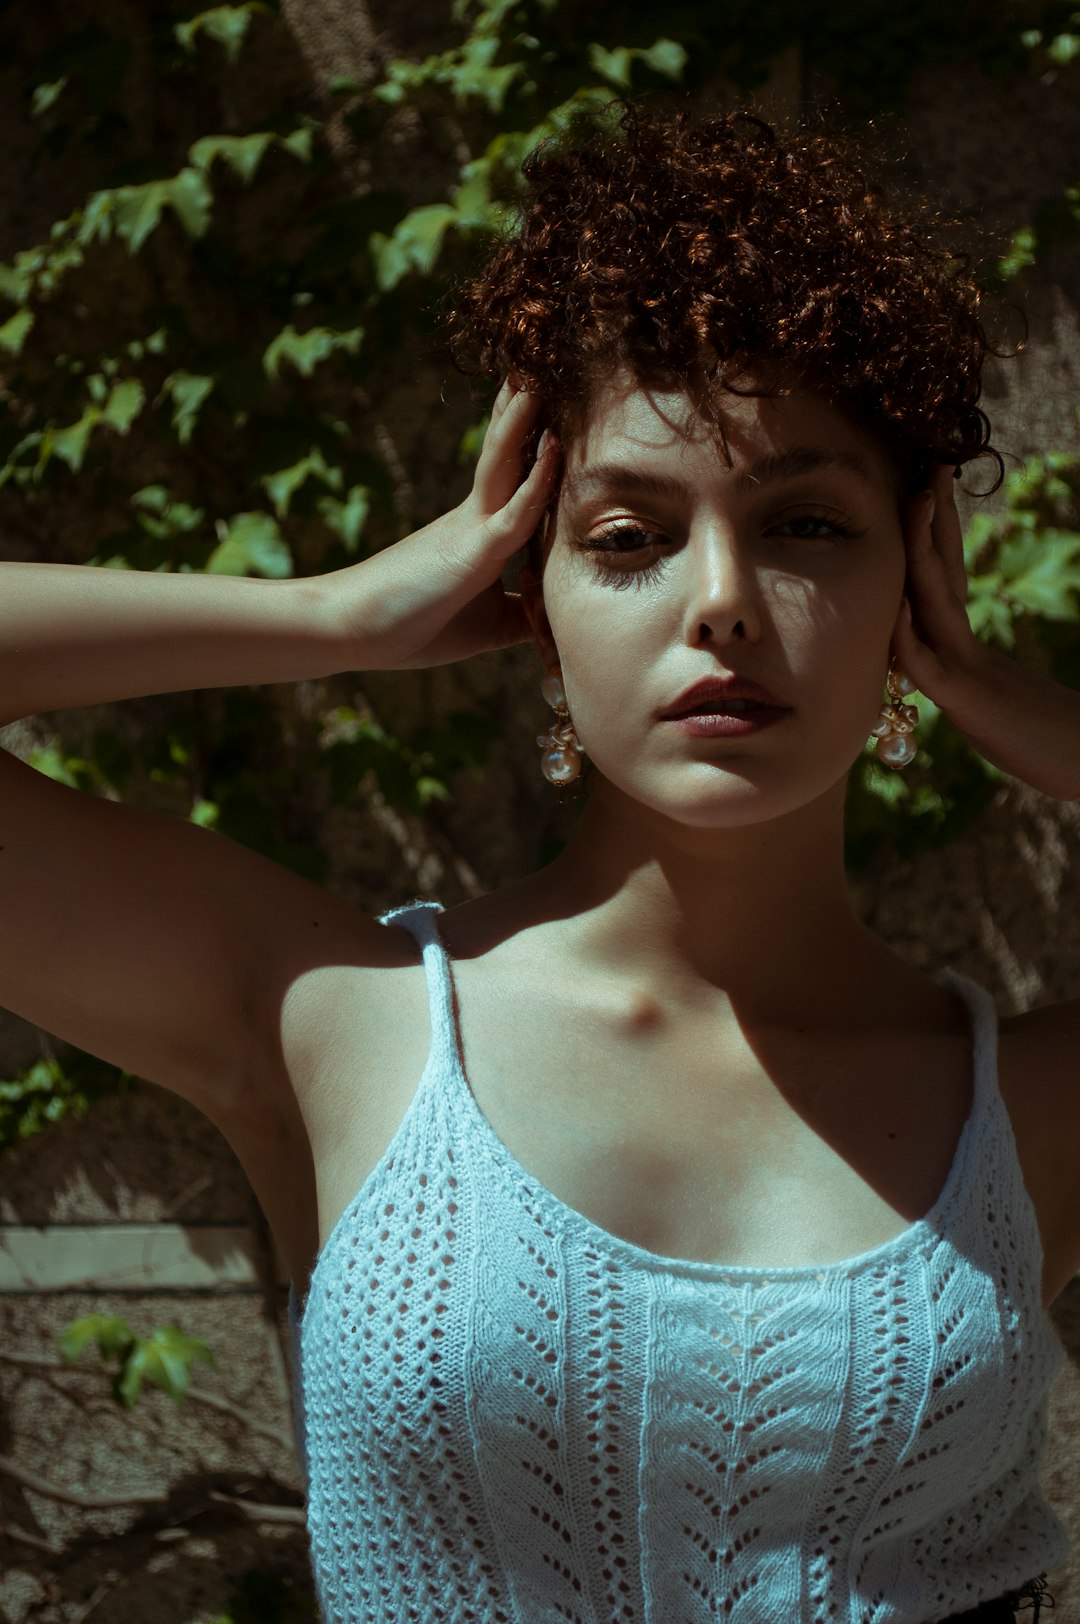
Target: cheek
(609,638)
(853,608)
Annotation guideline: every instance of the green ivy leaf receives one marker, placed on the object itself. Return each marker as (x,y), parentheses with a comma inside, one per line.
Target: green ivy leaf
(346,519)
(299,142)
(306,351)
(250,544)
(112,1334)
(164,1358)
(990,618)
(48,1091)
(414,245)
(70,444)
(282,486)
(16,281)
(23,472)
(95,220)
(1020,254)
(472,441)
(14,331)
(159,515)
(242,153)
(1040,573)
(135,211)
(204,813)
(1064,49)
(430,789)
(666,57)
(125,402)
(226,25)
(613,65)
(191,200)
(476,74)
(188,392)
(46,96)
(55,765)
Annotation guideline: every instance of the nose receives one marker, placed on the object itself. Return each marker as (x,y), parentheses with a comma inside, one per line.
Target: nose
(722,602)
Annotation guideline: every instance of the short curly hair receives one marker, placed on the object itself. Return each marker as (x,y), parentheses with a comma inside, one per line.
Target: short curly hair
(717,254)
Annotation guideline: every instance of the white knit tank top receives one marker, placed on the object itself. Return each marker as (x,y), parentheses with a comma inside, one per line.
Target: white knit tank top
(510,1416)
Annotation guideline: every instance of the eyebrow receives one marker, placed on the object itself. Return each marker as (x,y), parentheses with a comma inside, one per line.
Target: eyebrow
(780,466)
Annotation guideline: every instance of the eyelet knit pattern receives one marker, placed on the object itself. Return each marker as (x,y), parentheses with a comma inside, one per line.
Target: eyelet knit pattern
(510,1416)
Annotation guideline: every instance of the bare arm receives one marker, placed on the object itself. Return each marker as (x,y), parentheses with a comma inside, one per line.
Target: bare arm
(142,938)
(71,635)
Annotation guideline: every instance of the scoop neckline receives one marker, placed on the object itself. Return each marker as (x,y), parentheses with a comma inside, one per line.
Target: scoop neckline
(915,1234)
(919,1233)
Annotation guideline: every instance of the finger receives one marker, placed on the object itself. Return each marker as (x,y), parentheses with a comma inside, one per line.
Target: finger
(918,528)
(926,569)
(939,615)
(503,398)
(948,533)
(501,467)
(519,517)
(913,657)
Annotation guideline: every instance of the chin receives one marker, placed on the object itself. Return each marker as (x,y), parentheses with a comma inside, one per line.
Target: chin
(712,796)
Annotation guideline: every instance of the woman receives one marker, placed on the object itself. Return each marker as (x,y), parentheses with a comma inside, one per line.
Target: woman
(718,1288)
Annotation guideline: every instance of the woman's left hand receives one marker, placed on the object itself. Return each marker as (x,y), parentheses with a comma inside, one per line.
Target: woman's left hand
(1023,722)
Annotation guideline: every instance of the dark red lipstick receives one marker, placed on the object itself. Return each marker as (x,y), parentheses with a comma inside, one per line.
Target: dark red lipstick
(725,707)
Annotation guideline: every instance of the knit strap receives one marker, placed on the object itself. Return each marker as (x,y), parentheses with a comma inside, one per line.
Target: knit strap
(419,919)
(985,1025)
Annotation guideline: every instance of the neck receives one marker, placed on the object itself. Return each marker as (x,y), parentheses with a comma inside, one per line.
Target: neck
(759,913)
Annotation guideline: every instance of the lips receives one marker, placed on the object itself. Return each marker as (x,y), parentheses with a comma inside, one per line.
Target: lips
(717,693)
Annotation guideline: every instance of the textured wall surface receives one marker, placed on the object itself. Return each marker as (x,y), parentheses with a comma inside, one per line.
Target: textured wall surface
(205,1496)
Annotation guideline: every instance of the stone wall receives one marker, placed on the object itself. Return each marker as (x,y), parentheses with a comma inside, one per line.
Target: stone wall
(199,1499)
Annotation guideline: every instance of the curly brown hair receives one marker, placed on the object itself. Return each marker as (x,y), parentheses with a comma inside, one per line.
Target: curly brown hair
(717,254)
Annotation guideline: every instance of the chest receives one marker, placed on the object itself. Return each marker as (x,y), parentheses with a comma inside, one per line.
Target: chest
(688,1137)
(695,1138)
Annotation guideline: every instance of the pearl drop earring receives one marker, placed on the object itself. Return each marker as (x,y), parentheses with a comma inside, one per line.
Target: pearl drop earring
(894,729)
(561,760)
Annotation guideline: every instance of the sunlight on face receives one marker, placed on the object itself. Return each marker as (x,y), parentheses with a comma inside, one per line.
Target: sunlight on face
(666,567)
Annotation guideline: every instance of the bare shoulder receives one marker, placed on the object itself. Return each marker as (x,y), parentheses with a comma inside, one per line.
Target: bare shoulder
(339,1012)
(329,995)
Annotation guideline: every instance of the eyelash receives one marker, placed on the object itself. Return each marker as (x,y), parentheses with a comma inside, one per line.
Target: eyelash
(620,575)
(623,575)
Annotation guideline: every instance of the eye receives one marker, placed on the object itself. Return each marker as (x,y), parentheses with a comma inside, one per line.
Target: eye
(820,527)
(625,554)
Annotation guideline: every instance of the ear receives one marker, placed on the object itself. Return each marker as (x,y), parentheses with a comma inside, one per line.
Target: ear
(531,587)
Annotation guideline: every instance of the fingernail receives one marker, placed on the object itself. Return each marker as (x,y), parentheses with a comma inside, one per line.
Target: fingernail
(545,444)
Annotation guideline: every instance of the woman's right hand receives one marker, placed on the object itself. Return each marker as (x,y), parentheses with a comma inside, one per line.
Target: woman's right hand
(437,596)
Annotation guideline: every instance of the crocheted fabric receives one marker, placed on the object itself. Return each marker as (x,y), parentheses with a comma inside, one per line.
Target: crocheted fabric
(510,1416)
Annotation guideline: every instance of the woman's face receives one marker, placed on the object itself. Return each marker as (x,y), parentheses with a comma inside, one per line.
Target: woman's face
(666,567)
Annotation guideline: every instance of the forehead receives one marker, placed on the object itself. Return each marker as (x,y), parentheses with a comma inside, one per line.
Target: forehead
(639,429)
